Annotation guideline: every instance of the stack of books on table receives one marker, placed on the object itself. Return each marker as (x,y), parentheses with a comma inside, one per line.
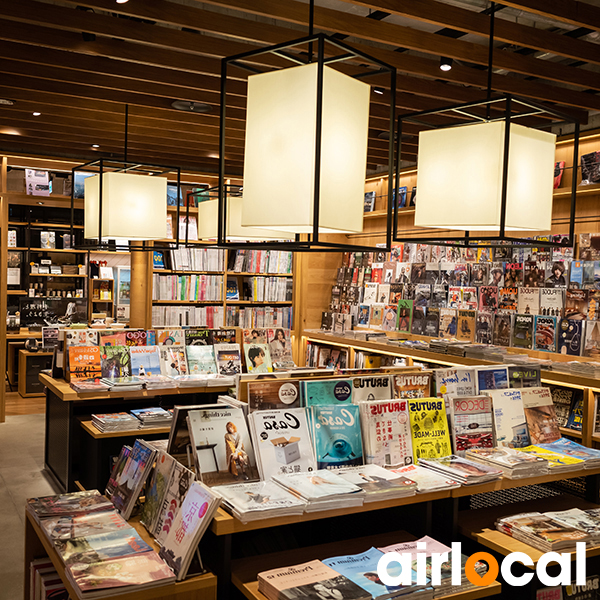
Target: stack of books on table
(123,384)
(427,480)
(259,500)
(466,472)
(514,464)
(557,463)
(321,490)
(378,483)
(542,531)
(590,456)
(152,417)
(91,386)
(312,581)
(77,503)
(122,421)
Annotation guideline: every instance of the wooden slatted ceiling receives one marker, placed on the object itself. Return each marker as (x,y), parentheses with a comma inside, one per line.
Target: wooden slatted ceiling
(140,56)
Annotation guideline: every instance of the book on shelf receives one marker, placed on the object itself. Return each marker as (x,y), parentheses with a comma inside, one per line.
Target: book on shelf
(188,527)
(281,441)
(221,445)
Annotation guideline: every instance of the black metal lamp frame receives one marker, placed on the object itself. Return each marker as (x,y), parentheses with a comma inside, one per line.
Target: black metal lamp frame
(313,243)
(508,115)
(101,166)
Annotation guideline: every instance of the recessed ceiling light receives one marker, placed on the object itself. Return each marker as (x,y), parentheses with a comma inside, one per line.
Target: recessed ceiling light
(122,1)
(445,63)
(378,90)
(37,114)
(95,145)
(9,131)
(6,102)
(40,203)
(198,107)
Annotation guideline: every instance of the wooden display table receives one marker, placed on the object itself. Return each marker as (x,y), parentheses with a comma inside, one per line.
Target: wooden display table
(37,545)
(78,453)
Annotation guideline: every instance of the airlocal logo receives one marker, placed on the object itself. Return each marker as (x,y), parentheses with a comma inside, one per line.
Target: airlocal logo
(437,559)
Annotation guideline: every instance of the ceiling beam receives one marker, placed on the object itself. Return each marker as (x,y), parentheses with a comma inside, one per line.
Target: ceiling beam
(581,14)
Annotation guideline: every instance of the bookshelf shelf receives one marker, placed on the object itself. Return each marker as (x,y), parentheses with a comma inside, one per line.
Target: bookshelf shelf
(66,250)
(56,275)
(571,432)
(381,214)
(16,292)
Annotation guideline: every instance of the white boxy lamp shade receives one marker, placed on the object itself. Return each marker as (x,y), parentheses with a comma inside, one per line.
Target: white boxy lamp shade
(279,157)
(459,178)
(133,206)
(208,211)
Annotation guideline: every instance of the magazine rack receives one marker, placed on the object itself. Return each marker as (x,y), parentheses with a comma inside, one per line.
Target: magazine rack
(37,544)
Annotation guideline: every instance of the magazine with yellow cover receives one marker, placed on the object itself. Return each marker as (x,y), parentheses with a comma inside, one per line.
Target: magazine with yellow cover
(429,427)
(554,459)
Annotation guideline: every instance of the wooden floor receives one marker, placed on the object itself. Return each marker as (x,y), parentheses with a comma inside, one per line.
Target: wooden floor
(17,405)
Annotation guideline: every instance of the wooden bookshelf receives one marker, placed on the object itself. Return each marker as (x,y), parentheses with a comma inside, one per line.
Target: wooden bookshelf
(56,275)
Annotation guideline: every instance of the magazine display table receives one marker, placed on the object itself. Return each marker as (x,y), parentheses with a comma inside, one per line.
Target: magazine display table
(73,451)
(37,545)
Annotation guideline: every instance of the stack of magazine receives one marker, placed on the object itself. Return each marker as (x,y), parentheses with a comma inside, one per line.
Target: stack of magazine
(590,456)
(121,421)
(464,471)
(427,480)
(312,580)
(152,417)
(123,384)
(586,520)
(557,463)
(377,482)
(514,464)
(321,490)
(259,500)
(542,531)
(77,503)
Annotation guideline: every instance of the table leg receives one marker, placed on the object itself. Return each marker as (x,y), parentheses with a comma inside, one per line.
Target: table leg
(223,567)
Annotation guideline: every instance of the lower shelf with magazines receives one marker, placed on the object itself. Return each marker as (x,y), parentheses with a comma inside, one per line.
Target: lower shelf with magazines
(37,545)
(245,571)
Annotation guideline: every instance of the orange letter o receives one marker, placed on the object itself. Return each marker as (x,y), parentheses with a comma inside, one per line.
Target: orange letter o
(474,577)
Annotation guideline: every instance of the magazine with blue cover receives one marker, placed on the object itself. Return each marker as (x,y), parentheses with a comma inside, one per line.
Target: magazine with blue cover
(362,570)
(336,435)
(570,336)
(145,361)
(326,392)
(491,378)
(571,448)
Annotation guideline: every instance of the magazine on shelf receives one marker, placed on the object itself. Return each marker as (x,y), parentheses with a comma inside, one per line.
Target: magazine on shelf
(75,503)
(591,456)
(471,422)
(429,425)
(336,435)
(491,378)
(145,361)
(378,483)
(229,359)
(223,452)
(258,358)
(67,527)
(156,490)
(115,361)
(117,470)
(200,360)
(427,480)
(524,376)
(461,469)
(85,362)
(510,427)
(281,441)
(190,522)
(371,387)
(528,302)
(386,432)
(544,334)
(326,391)
(319,486)
(412,385)
(173,361)
(540,415)
(522,332)
(170,337)
(196,337)
(179,436)
(511,461)
(551,302)
(570,336)
(557,463)
(270,394)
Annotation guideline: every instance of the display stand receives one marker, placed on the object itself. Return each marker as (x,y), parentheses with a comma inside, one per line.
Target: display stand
(65,438)
(37,545)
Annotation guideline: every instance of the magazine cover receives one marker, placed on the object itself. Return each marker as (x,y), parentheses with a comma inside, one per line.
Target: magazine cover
(591,347)
(258,358)
(376,316)
(412,385)
(513,274)
(189,524)
(545,334)
(510,426)
(593,305)
(156,490)
(282,441)
(405,310)
(386,432)
(528,302)
(229,359)
(135,337)
(480,274)
(85,362)
(170,337)
(200,360)
(223,450)
(570,336)
(471,423)
(376,481)
(533,274)
(484,327)
(468,299)
(466,325)
(448,322)
(551,302)
(364,313)
(390,318)
(112,338)
(280,345)
(488,298)
(575,420)
(429,427)
(196,337)
(502,329)
(556,274)
(326,391)
(491,378)
(576,304)
(222,336)
(573,449)
(255,336)
(496,276)
(371,387)
(418,321)
(336,435)
(508,299)
(576,275)
(173,361)
(116,361)
(540,415)
(68,527)
(422,295)
(524,376)
(432,322)
(383,293)
(439,296)
(395,292)
(454,296)
(272,394)
(145,361)
(522,333)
